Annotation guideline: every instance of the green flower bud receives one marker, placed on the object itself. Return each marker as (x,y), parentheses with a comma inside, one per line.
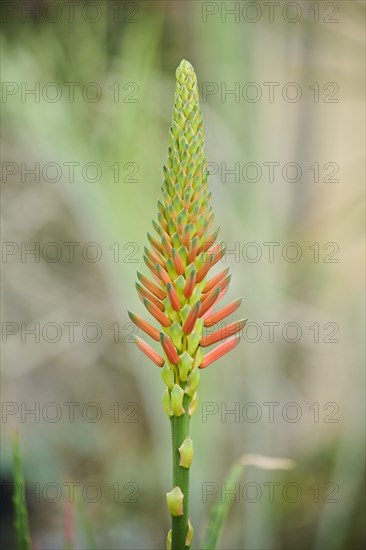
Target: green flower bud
(179,284)
(190,534)
(186,453)
(199,357)
(167,403)
(184,365)
(176,334)
(168,376)
(175,502)
(170,210)
(177,203)
(170,268)
(169,540)
(176,240)
(181,176)
(175,129)
(177,395)
(182,251)
(193,405)
(199,261)
(193,381)
(184,312)
(196,296)
(193,341)
(179,117)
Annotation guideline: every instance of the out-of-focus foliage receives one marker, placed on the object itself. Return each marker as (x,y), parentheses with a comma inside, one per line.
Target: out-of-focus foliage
(20,509)
(121,443)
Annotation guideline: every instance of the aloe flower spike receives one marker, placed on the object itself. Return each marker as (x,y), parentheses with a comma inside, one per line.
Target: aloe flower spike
(182,298)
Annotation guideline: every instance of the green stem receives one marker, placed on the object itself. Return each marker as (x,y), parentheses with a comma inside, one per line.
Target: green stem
(180,430)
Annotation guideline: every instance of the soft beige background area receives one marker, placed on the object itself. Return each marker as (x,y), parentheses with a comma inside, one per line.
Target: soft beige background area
(315,375)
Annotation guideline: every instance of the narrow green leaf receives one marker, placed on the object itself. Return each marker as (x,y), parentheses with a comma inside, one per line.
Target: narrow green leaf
(23,541)
(84,522)
(69,512)
(220,510)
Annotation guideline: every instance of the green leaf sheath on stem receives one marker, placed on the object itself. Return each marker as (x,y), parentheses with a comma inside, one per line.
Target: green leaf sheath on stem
(180,431)
(23,540)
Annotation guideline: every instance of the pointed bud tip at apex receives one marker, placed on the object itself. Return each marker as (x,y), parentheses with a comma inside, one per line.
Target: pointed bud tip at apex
(185,65)
(186,68)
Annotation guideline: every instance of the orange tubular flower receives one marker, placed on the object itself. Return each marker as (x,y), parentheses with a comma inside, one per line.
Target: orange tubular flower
(154,257)
(193,250)
(223,333)
(143,293)
(222,285)
(192,318)
(149,352)
(157,291)
(224,312)
(215,280)
(178,264)
(169,348)
(163,274)
(204,269)
(145,326)
(173,297)
(209,301)
(158,246)
(190,283)
(159,315)
(218,352)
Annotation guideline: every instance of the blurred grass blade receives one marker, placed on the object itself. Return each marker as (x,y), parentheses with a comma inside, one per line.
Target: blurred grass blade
(220,510)
(69,525)
(82,521)
(23,541)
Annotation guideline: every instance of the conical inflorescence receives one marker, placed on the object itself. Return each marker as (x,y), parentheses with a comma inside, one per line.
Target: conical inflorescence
(180,293)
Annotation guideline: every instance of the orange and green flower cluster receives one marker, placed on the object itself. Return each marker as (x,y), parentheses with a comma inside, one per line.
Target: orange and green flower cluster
(179,295)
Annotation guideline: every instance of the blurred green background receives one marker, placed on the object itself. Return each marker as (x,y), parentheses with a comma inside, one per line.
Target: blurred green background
(119,58)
